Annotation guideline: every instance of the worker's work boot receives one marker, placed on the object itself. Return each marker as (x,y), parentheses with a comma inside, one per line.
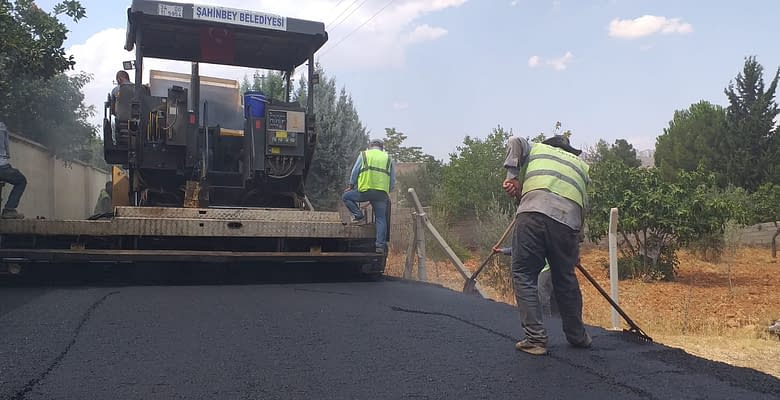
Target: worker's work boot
(356,221)
(11,213)
(531,348)
(585,344)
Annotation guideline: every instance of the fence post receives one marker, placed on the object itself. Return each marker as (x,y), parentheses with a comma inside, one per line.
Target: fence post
(613,265)
(411,249)
(420,230)
(464,272)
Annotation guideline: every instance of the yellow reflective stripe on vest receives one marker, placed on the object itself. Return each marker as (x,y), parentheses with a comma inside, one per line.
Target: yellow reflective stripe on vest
(374,171)
(557,171)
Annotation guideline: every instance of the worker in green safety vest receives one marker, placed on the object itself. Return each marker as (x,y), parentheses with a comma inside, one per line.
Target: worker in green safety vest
(103,205)
(372,179)
(550,182)
(546,292)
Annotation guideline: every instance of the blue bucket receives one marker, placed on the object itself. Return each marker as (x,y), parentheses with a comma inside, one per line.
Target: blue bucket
(254,104)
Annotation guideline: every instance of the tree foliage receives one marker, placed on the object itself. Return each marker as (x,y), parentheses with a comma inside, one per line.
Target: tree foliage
(657,217)
(53,113)
(765,206)
(751,143)
(472,179)
(400,153)
(341,136)
(31,40)
(556,131)
(691,140)
(621,151)
(37,100)
(271,83)
(425,177)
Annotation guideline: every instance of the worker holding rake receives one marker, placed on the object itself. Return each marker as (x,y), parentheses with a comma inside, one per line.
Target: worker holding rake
(550,181)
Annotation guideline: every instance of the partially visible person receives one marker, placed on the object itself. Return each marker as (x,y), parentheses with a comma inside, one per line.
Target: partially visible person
(103,205)
(11,175)
(372,179)
(546,292)
(122,78)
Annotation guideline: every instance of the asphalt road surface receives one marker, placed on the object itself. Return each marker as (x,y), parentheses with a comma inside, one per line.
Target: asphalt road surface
(329,340)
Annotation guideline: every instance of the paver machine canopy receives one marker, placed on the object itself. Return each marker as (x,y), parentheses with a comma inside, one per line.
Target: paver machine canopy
(188,144)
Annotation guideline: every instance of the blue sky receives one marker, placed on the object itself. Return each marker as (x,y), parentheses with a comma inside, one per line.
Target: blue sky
(439,70)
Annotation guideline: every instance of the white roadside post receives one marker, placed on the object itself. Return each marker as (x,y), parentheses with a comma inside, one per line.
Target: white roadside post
(613,265)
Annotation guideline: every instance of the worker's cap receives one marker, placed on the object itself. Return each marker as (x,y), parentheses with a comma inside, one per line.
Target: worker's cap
(562,142)
(376,143)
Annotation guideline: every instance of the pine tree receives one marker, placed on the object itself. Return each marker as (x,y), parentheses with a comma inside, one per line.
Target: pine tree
(751,143)
(341,136)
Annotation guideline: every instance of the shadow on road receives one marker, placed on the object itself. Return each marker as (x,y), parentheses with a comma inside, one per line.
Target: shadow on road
(178,274)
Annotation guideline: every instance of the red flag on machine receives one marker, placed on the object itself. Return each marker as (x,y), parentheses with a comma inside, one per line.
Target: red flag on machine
(217,45)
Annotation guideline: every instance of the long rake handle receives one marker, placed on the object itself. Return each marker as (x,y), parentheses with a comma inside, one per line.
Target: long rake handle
(501,240)
(609,299)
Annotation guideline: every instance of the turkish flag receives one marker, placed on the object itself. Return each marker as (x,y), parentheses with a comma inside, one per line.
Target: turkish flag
(217,45)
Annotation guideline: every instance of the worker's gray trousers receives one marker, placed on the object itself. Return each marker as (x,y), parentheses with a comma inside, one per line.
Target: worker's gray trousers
(547,294)
(536,237)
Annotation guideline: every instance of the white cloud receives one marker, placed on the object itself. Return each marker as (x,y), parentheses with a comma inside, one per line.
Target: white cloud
(400,105)
(647,25)
(514,3)
(381,43)
(558,64)
(102,55)
(424,33)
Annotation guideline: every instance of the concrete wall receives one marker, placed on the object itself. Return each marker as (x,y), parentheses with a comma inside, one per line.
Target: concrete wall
(55,189)
(759,235)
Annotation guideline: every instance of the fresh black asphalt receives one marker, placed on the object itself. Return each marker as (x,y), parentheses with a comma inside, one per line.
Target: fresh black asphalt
(389,339)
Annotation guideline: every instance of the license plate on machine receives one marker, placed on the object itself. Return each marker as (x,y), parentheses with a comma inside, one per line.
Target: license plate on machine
(170,11)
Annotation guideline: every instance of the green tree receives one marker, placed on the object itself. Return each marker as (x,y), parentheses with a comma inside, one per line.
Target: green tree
(31,40)
(657,217)
(556,131)
(765,207)
(625,152)
(52,112)
(472,179)
(751,143)
(341,136)
(621,151)
(400,153)
(425,179)
(271,83)
(691,141)
(37,99)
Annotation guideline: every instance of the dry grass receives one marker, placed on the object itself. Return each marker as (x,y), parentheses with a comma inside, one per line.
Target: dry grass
(703,311)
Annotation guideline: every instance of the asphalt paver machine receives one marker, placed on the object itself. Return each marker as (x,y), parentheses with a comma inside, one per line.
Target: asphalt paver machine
(207,174)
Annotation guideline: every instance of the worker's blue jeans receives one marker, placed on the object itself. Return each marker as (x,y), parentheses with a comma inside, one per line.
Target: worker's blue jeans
(14,177)
(378,200)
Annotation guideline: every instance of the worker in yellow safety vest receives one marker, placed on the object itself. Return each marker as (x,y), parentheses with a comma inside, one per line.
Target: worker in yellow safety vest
(372,179)
(550,181)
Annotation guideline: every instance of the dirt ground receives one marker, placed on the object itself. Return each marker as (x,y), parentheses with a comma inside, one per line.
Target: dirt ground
(707,311)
